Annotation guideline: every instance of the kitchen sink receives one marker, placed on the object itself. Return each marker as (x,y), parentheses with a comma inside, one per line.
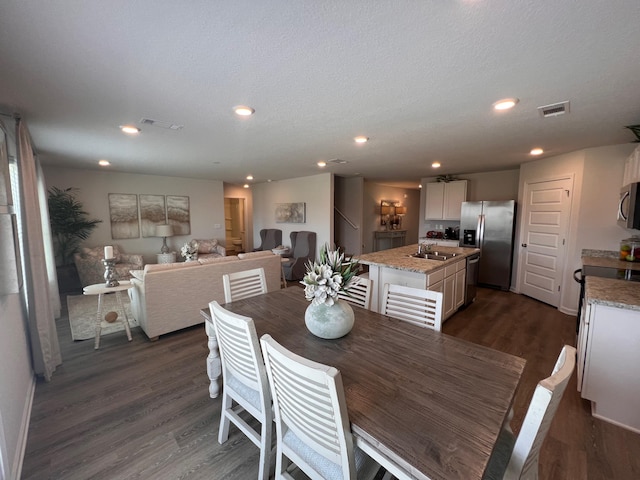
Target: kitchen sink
(434,255)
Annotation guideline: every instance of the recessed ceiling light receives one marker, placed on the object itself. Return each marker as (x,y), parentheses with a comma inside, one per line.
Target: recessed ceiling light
(322,164)
(104,163)
(249,177)
(505,104)
(243,110)
(536,151)
(129,129)
(246,185)
(361,139)
(435,165)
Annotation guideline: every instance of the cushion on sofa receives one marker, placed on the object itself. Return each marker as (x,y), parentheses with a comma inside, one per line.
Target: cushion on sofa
(207,246)
(211,259)
(159,267)
(139,274)
(262,253)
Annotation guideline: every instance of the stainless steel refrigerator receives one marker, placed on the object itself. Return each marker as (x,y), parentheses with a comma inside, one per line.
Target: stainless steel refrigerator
(489,226)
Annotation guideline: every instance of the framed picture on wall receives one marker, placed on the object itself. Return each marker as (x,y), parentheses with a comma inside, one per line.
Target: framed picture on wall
(178,215)
(291,212)
(123,213)
(152,212)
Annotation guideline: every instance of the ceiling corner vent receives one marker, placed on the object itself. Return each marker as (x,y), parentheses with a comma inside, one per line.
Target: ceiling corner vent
(554,109)
(161,124)
(338,161)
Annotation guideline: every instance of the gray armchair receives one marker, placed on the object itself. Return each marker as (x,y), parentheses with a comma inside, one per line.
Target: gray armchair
(303,250)
(270,238)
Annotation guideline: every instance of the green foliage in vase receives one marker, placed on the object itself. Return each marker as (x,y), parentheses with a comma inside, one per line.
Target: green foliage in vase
(69,223)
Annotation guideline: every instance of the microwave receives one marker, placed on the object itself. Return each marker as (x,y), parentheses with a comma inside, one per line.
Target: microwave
(629,206)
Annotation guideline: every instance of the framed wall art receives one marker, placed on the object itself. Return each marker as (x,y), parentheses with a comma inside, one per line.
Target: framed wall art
(178,214)
(123,212)
(291,212)
(152,212)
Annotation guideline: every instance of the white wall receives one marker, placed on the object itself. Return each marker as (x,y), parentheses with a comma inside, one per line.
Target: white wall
(597,174)
(316,191)
(349,194)
(17,384)
(206,201)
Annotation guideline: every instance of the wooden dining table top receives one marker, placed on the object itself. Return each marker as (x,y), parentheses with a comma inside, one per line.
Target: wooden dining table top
(433,403)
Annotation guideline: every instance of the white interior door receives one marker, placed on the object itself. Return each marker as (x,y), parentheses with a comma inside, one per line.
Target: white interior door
(543,240)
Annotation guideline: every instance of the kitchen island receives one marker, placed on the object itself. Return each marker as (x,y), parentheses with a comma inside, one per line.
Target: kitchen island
(397,265)
(609,350)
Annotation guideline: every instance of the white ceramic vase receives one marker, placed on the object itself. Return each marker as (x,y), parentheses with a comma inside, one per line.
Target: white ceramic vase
(329,322)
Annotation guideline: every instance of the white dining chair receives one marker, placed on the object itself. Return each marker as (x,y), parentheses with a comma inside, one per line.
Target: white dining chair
(414,305)
(244,381)
(359,292)
(517,458)
(245,284)
(312,425)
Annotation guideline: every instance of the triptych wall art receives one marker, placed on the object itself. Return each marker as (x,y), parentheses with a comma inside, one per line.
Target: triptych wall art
(133,214)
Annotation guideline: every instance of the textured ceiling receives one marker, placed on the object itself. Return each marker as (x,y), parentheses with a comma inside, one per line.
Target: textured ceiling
(417,77)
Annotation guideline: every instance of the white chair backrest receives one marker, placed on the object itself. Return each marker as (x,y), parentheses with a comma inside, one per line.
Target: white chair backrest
(240,353)
(359,292)
(245,284)
(414,305)
(310,413)
(544,403)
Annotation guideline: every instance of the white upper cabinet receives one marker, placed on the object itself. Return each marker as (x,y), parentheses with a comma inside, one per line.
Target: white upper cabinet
(444,200)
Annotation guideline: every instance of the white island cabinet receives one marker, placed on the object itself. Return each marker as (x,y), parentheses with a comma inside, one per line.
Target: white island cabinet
(397,267)
(609,351)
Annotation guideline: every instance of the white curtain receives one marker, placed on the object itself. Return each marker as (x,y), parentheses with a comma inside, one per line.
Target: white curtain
(43,300)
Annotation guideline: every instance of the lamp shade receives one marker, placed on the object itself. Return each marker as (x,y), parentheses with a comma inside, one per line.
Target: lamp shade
(164,231)
(400,210)
(385,210)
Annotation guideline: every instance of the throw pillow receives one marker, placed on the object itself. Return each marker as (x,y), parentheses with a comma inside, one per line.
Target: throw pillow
(207,246)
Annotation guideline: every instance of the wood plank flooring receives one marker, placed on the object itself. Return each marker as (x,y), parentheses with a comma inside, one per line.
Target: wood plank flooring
(141,410)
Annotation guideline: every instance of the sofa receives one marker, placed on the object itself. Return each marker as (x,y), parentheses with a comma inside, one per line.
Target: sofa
(168,297)
(91,269)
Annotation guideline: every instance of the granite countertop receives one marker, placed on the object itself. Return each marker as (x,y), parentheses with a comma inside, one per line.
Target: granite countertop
(400,258)
(612,292)
(610,261)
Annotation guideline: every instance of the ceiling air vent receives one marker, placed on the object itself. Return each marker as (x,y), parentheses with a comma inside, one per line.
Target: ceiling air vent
(161,124)
(554,109)
(338,161)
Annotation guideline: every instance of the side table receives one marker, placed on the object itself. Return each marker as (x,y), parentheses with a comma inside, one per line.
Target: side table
(166,257)
(100,289)
(283,260)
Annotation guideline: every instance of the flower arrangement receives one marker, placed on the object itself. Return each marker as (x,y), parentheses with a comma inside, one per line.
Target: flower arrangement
(327,277)
(189,249)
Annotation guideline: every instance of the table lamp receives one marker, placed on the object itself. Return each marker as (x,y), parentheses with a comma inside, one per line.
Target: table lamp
(164,231)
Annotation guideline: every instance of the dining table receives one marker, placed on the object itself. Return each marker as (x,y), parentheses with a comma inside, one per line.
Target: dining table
(424,404)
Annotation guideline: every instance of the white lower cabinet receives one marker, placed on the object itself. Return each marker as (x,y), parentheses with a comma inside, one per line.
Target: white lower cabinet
(449,280)
(608,359)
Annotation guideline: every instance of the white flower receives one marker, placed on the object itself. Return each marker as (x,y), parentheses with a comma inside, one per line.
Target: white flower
(327,277)
(189,248)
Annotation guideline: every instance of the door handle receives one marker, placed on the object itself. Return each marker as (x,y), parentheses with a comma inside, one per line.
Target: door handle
(524,245)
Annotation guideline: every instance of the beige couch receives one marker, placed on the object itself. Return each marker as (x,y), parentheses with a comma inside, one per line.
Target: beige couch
(169,297)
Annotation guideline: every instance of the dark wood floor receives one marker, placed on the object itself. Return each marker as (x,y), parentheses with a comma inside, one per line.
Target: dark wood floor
(141,410)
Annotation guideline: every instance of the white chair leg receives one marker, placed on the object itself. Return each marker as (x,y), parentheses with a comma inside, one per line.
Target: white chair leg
(223,432)
(265,451)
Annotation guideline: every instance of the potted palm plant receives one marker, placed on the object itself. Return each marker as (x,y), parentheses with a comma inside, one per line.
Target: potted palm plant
(70,224)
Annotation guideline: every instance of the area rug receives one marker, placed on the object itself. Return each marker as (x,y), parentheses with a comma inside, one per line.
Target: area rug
(83,310)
